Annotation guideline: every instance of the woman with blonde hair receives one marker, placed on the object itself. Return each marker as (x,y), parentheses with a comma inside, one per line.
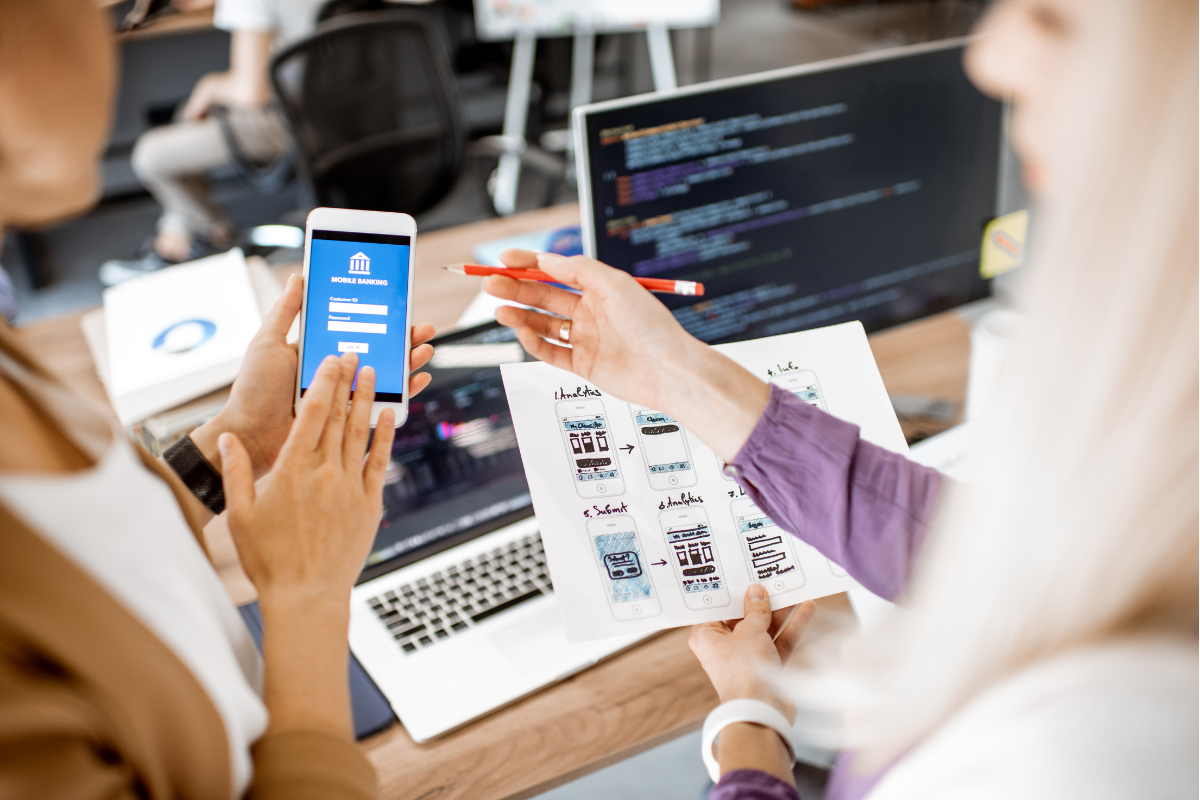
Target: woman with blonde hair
(1046,642)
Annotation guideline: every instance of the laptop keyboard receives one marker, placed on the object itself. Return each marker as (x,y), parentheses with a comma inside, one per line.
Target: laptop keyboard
(423,612)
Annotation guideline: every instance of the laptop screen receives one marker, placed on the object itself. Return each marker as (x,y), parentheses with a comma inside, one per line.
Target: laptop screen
(455,472)
(800,198)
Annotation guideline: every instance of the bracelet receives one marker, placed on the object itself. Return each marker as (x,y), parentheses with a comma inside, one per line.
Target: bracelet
(755,711)
(196,473)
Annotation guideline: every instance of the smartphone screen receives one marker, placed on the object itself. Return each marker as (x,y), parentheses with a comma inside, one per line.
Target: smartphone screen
(358,302)
(623,566)
(695,559)
(772,560)
(590,448)
(664,449)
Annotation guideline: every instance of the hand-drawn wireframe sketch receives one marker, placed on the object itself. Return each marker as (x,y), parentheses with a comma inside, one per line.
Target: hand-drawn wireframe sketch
(804,385)
(590,448)
(836,569)
(665,450)
(770,554)
(695,557)
(623,568)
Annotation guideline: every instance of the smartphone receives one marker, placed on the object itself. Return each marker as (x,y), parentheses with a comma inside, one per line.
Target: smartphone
(769,551)
(590,448)
(694,555)
(623,567)
(358,282)
(804,385)
(664,449)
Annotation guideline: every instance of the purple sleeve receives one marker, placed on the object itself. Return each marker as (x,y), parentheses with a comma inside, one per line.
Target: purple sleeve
(750,784)
(864,507)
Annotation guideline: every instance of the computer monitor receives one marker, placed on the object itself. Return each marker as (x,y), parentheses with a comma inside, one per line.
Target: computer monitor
(850,189)
(455,472)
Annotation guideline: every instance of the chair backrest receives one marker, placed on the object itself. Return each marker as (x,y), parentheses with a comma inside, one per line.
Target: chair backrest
(374,110)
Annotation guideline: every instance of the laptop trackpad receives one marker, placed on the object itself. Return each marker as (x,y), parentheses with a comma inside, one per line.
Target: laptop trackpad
(537,643)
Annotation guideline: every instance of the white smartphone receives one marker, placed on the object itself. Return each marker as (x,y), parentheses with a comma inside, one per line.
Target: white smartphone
(694,554)
(590,448)
(804,385)
(623,567)
(769,551)
(664,450)
(358,282)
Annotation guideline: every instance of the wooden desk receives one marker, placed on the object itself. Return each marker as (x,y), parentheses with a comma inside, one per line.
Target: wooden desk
(641,698)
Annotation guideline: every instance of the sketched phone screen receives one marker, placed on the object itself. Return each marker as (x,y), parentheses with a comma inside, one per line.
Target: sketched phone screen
(358,301)
(663,439)
(692,547)
(591,451)
(623,566)
(769,552)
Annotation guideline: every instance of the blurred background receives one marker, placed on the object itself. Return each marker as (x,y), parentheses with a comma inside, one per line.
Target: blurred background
(55,269)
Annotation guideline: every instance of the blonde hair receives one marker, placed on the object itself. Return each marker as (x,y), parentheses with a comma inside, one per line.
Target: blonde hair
(1082,523)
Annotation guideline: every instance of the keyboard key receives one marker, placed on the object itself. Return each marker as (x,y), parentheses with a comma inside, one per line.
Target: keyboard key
(425,640)
(409,647)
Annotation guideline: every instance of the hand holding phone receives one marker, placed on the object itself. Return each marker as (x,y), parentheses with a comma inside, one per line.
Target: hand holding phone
(358,298)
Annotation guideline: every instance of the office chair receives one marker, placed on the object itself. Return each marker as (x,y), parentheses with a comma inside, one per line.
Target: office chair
(374,110)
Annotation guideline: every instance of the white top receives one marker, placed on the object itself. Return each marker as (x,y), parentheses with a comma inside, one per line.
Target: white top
(289,20)
(121,524)
(1111,722)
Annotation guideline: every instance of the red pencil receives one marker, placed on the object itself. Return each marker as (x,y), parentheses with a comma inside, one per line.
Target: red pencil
(662,285)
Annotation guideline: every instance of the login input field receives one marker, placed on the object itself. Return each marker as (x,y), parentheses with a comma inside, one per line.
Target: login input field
(359,327)
(358,308)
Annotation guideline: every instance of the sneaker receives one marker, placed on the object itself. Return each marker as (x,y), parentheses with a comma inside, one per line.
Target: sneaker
(118,270)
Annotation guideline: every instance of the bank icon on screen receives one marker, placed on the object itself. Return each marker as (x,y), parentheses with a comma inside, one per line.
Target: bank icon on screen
(360,264)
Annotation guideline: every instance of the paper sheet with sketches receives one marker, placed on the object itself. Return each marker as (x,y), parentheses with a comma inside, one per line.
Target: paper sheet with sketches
(642,529)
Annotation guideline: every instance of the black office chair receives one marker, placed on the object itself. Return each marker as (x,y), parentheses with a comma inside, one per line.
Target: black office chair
(374,110)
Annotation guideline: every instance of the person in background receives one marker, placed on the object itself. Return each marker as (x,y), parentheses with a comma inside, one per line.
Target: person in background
(172,161)
(1045,645)
(125,669)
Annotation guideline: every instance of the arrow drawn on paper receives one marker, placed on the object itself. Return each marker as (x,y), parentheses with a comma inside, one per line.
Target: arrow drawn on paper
(627,448)
(658,564)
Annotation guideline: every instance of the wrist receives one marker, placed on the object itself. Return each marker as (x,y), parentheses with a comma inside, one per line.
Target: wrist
(711,393)
(205,438)
(760,691)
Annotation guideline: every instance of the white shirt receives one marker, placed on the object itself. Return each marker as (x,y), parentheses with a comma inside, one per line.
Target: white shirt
(1110,722)
(122,526)
(289,20)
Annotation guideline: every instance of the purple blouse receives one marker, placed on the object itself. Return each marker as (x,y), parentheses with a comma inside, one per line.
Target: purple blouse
(864,507)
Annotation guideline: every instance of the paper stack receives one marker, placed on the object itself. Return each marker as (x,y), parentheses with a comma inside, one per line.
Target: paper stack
(175,334)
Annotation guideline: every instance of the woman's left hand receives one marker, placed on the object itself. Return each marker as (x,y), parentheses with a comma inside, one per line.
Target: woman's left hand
(261,404)
(743,657)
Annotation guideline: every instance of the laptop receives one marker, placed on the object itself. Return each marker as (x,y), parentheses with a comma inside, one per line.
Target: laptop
(454,615)
(851,189)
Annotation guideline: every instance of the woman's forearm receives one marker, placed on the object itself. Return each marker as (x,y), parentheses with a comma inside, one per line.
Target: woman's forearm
(305,656)
(716,399)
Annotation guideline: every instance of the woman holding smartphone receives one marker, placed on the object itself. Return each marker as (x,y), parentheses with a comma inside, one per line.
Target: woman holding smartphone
(125,670)
(1046,644)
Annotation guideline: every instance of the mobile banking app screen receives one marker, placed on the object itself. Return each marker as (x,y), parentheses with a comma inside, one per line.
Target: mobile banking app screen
(357,302)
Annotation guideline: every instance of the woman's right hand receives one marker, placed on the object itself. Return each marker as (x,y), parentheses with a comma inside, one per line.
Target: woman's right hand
(626,342)
(309,526)
(622,338)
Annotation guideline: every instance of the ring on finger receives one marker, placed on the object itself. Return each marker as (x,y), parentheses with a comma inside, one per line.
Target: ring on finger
(564,331)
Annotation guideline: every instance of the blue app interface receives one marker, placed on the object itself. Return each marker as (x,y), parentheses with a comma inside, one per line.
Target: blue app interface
(358,302)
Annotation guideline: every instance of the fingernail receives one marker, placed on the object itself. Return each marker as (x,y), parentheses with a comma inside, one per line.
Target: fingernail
(223,443)
(290,279)
(550,258)
(756,592)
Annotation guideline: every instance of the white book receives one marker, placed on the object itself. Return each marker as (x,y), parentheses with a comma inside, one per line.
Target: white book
(642,528)
(177,333)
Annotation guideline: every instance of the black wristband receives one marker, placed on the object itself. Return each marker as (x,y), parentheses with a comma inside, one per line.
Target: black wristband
(196,473)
